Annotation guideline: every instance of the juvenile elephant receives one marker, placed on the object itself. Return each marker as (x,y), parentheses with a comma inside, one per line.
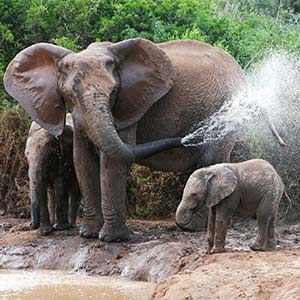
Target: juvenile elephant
(129,101)
(54,190)
(250,189)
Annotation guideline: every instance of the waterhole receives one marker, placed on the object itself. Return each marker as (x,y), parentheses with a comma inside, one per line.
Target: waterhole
(54,285)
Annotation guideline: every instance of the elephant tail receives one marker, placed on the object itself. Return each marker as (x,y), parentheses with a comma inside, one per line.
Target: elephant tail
(276,134)
(289,200)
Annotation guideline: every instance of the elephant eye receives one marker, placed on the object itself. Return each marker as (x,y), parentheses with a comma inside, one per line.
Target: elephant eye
(109,64)
(66,66)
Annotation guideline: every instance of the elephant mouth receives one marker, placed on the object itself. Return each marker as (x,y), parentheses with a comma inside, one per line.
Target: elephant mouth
(184,227)
(185,220)
(191,220)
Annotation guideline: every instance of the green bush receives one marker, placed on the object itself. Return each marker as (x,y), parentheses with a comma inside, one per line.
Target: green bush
(153,194)
(246,29)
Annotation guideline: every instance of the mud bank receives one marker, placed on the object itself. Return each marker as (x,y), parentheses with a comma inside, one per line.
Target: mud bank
(160,252)
(235,276)
(155,251)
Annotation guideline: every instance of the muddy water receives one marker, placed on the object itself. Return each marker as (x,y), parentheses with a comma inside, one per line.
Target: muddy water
(48,285)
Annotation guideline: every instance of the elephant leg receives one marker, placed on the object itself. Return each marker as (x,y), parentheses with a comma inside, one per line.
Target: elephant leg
(87,167)
(75,197)
(261,240)
(224,212)
(221,224)
(51,204)
(271,241)
(62,204)
(264,216)
(39,200)
(113,188)
(211,228)
(45,227)
(35,196)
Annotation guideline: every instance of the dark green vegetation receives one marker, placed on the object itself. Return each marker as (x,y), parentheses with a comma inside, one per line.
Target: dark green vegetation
(246,29)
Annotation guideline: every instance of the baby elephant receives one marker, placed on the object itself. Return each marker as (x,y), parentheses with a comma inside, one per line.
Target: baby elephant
(247,189)
(54,190)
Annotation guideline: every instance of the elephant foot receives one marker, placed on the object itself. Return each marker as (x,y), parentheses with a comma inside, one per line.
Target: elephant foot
(209,251)
(114,233)
(73,225)
(89,231)
(217,250)
(271,245)
(46,229)
(64,226)
(266,247)
(34,225)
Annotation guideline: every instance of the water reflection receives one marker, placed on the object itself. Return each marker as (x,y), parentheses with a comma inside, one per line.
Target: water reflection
(48,285)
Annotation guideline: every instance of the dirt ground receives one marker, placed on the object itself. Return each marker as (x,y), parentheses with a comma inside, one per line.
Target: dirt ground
(160,252)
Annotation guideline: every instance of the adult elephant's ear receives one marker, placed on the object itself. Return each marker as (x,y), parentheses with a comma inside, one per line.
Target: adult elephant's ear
(31,78)
(221,185)
(146,74)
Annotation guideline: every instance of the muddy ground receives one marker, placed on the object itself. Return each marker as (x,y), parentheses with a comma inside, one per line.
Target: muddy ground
(160,252)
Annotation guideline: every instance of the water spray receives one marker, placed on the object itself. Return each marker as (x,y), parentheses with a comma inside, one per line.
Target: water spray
(262,100)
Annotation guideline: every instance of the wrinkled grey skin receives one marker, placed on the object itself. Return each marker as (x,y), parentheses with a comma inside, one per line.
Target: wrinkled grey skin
(250,189)
(129,101)
(54,190)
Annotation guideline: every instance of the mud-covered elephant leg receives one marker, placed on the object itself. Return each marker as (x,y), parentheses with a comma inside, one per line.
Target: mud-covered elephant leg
(35,195)
(221,223)
(62,204)
(75,198)
(260,243)
(39,200)
(271,242)
(224,212)
(113,188)
(265,221)
(211,228)
(87,166)
(51,203)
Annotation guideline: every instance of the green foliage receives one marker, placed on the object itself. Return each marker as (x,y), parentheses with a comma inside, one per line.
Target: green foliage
(243,28)
(246,29)
(66,43)
(153,194)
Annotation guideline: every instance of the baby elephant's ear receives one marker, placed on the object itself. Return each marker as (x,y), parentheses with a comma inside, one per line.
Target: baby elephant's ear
(221,185)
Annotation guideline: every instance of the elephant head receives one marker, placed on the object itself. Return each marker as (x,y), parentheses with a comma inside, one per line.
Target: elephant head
(205,186)
(107,87)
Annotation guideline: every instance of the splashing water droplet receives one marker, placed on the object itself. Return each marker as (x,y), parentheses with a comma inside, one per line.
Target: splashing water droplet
(263,98)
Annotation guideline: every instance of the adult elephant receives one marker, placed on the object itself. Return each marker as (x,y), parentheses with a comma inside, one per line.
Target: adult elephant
(124,97)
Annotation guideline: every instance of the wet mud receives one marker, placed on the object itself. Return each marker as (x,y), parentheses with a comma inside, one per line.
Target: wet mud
(160,252)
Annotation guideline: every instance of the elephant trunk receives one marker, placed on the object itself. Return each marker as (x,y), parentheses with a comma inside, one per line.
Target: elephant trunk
(190,218)
(102,132)
(143,151)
